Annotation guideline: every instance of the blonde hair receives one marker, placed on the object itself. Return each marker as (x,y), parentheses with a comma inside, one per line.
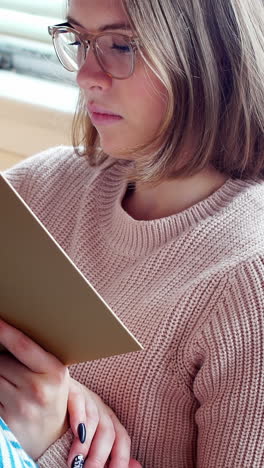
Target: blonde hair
(210,57)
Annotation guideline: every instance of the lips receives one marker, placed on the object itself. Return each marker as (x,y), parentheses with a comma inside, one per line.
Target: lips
(92,108)
(100,116)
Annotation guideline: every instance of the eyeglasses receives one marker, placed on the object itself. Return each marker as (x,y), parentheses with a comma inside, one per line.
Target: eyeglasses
(115,52)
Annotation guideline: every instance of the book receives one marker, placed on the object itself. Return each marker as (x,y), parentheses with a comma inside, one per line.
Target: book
(45,295)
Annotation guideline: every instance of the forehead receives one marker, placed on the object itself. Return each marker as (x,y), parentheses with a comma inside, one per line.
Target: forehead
(94,13)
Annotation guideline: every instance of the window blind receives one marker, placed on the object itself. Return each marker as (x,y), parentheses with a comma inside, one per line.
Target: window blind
(36,7)
(29,18)
(25,45)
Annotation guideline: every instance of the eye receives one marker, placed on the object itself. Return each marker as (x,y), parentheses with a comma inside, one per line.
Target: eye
(121,48)
(77,43)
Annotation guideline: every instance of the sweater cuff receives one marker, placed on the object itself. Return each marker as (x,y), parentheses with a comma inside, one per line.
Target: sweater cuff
(57,454)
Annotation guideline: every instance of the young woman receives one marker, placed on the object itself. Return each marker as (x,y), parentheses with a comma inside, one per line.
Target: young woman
(164,214)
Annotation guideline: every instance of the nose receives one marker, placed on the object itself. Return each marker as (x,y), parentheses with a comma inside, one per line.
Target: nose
(91,74)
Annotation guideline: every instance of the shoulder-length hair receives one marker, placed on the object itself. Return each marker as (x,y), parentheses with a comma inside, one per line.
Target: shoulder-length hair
(209,54)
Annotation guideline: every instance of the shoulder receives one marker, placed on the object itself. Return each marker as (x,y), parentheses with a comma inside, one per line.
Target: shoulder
(234,234)
(243,297)
(46,165)
(235,319)
(48,157)
(54,168)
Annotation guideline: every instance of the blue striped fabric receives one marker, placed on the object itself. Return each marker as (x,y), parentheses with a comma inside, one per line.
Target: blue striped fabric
(11,453)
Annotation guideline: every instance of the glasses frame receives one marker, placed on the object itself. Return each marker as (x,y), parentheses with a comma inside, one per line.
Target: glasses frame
(88,40)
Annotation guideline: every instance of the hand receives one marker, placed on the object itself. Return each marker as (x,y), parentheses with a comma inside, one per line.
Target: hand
(105,436)
(34,389)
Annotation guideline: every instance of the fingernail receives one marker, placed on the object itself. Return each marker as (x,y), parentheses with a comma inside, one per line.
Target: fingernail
(82,432)
(78,462)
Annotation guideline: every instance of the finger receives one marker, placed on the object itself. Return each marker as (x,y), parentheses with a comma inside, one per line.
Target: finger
(10,370)
(27,351)
(120,454)
(102,443)
(8,393)
(76,406)
(77,416)
(82,409)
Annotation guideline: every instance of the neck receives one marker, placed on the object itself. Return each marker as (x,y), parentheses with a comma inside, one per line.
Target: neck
(172,195)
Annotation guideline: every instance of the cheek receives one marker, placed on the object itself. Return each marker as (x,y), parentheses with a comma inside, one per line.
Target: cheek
(143,102)
(148,101)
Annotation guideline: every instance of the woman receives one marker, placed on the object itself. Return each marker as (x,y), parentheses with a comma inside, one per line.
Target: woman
(166,220)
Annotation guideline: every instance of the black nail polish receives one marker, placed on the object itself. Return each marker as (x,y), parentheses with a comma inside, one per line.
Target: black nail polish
(82,432)
(78,462)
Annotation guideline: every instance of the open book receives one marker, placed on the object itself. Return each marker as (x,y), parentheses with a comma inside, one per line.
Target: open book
(44,294)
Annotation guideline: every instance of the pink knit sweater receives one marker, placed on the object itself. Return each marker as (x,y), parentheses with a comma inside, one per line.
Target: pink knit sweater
(190,288)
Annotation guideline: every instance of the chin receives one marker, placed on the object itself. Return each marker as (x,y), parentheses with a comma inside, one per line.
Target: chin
(117,152)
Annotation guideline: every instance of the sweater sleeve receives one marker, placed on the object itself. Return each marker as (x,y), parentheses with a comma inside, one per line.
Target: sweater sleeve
(229,384)
(57,454)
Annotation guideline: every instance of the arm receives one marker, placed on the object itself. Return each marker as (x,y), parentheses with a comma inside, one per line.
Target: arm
(35,390)
(229,385)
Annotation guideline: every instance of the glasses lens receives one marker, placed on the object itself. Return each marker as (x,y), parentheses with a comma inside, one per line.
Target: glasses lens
(69,49)
(115,55)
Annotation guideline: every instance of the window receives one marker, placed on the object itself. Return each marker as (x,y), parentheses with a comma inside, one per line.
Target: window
(25,45)
(37,96)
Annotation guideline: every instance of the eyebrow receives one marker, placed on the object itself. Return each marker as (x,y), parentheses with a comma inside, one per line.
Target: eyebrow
(106,27)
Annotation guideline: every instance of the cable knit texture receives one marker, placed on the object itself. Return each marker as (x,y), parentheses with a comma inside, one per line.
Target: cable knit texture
(189,287)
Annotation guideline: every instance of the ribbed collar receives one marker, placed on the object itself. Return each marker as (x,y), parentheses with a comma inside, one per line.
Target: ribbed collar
(135,238)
